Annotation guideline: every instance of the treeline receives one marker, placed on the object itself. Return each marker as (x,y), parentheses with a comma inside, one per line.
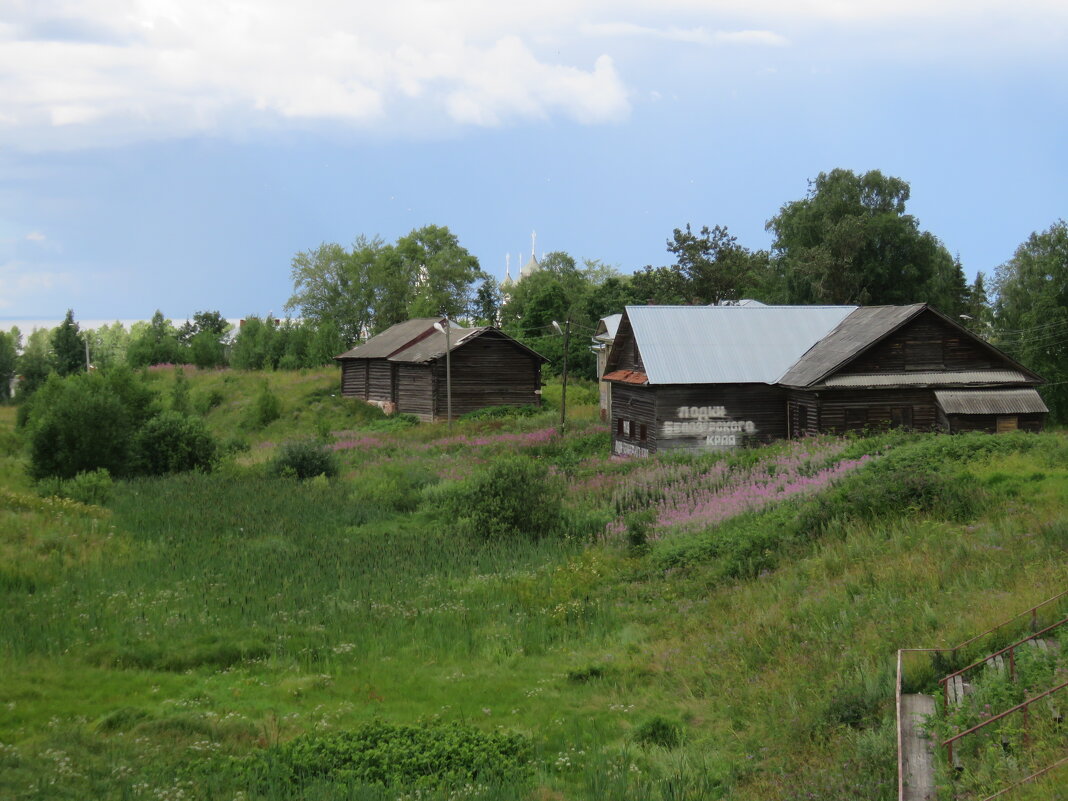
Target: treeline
(207,341)
(850,240)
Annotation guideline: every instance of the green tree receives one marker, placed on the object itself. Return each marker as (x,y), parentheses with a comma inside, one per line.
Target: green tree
(68,346)
(35,362)
(86,421)
(444,272)
(9,354)
(108,345)
(1031,311)
(254,344)
(714,266)
(334,286)
(851,241)
(155,344)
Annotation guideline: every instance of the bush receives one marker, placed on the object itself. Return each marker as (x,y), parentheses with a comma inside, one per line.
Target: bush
(92,488)
(305,459)
(85,421)
(265,408)
(436,756)
(173,442)
(659,731)
(204,402)
(394,488)
(502,412)
(514,497)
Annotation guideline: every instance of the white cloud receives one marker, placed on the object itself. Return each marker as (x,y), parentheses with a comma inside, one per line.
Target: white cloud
(84,72)
(36,236)
(699,35)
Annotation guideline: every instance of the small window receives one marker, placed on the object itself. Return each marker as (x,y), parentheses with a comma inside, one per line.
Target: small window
(802,420)
(641,432)
(630,428)
(619,426)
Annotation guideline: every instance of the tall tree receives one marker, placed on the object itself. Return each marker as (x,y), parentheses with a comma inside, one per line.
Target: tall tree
(332,285)
(444,272)
(68,346)
(851,241)
(155,344)
(1031,311)
(715,267)
(35,362)
(9,353)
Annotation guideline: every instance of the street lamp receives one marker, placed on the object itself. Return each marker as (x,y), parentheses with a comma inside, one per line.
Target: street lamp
(448,367)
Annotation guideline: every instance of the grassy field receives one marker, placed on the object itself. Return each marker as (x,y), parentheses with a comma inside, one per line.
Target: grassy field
(656,648)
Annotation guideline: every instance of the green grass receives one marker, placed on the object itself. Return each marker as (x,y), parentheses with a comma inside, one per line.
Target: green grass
(201,618)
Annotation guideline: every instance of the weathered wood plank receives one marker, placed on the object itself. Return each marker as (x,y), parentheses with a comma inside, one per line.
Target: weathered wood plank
(917,748)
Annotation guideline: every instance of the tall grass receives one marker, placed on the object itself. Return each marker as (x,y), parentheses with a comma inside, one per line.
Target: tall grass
(202,619)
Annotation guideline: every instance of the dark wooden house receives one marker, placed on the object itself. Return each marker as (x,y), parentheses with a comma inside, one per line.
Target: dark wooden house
(712,377)
(403,369)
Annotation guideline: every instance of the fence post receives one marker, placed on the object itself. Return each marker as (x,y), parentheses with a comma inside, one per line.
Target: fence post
(1012,664)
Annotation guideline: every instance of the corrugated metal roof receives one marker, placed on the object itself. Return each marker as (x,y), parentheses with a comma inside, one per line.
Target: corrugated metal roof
(607,327)
(929,378)
(391,340)
(856,332)
(727,344)
(990,401)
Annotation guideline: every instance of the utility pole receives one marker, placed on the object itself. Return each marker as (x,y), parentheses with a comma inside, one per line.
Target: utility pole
(448,368)
(563,390)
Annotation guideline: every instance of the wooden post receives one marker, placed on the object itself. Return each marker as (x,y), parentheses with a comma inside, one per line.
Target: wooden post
(563,389)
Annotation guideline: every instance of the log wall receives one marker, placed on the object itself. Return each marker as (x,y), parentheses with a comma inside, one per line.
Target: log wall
(927,343)
(415,390)
(857,410)
(354,378)
(379,380)
(489,370)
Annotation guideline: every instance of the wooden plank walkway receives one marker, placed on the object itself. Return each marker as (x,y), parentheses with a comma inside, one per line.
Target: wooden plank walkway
(918,760)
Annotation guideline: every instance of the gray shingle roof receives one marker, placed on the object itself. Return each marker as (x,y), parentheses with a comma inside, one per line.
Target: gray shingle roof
(434,345)
(994,401)
(727,344)
(391,340)
(859,330)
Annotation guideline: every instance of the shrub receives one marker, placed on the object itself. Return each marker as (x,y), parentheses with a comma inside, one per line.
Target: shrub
(9,443)
(395,488)
(499,412)
(180,392)
(204,402)
(265,408)
(93,487)
(430,757)
(659,731)
(515,496)
(304,459)
(86,421)
(173,442)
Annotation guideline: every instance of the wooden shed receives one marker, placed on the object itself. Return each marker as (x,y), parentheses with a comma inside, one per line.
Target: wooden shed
(403,369)
(713,377)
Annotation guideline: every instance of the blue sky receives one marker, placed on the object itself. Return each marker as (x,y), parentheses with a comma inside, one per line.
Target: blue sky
(175,154)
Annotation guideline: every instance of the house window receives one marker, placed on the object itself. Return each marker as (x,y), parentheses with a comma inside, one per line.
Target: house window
(901,417)
(641,432)
(619,426)
(802,420)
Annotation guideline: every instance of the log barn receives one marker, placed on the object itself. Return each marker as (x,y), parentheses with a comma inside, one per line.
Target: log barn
(403,369)
(714,377)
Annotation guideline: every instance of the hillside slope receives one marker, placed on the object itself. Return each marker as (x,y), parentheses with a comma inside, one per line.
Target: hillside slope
(154,644)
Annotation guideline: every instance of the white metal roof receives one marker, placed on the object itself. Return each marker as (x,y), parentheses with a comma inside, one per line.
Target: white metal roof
(727,344)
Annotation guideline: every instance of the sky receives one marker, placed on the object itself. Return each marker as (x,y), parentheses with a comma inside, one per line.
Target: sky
(176,154)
